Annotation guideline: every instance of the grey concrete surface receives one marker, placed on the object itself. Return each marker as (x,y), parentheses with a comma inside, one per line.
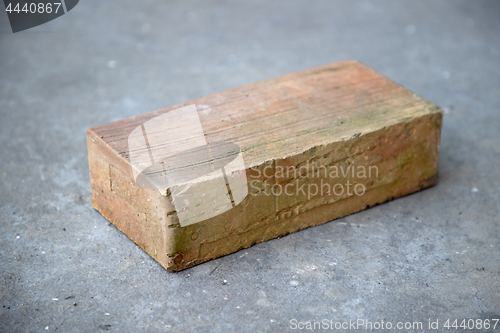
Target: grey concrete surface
(434,254)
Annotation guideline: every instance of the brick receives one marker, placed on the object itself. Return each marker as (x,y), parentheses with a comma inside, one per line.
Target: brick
(303,137)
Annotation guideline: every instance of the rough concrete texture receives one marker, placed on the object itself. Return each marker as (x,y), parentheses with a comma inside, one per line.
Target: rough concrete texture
(433,254)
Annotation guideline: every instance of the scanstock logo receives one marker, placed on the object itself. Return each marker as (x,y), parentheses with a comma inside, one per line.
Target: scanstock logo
(203,175)
(28,14)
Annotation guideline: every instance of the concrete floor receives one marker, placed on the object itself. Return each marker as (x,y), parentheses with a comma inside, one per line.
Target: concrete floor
(433,254)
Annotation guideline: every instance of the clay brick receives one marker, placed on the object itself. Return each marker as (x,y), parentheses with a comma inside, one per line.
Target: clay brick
(316,124)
